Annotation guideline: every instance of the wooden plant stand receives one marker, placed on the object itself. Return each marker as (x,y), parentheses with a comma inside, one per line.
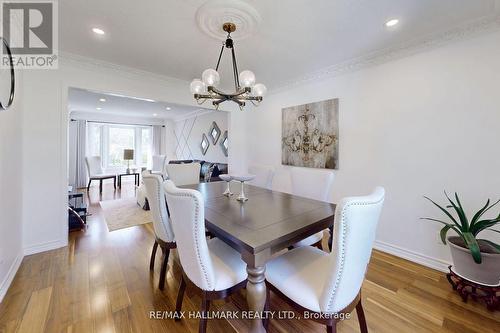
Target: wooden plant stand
(465,288)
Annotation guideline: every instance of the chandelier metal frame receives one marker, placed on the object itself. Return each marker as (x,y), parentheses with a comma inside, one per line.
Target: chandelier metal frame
(241,94)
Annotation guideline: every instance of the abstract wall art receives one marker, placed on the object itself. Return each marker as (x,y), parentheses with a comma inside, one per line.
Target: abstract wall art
(310,135)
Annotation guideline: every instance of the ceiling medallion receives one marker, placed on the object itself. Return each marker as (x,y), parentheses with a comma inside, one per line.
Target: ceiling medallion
(214,13)
(244,83)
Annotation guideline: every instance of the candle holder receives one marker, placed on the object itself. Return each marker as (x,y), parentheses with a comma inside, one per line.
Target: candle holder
(227,179)
(242,179)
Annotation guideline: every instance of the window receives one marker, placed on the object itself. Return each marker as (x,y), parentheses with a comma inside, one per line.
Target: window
(120,138)
(146,144)
(109,141)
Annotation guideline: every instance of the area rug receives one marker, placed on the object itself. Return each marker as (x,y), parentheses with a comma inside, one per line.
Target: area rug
(124,213)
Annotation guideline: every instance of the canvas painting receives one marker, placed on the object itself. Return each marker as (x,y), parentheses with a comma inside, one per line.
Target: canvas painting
(310,135)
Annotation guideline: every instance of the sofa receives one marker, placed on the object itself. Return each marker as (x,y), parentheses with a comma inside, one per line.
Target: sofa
(215,168)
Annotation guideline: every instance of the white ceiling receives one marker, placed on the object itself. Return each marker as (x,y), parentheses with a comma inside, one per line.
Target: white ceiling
(81,100)
(294,38)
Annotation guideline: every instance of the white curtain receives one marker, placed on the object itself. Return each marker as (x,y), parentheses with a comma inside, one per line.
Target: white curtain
(157,133)
(81,143)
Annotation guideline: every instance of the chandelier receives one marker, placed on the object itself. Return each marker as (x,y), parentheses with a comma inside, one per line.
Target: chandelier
(244,84)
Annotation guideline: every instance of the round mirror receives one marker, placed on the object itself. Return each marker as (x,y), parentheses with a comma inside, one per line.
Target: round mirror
(7,80)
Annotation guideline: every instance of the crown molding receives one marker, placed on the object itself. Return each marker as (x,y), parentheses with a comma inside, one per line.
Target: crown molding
(93,64)
(469,30)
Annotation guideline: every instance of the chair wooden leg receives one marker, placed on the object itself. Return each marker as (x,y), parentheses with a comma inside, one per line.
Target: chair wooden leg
(153,256)
(114,182)
(361,317)
(332,328)
(88,186)
(330,240)
(100,185)
(164,265)
(205,306)
(180,298)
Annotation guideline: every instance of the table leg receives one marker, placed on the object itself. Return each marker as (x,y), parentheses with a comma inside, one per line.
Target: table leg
(256,295)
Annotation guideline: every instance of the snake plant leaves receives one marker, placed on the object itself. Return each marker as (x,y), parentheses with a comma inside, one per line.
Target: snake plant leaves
(468,231)
(473,246)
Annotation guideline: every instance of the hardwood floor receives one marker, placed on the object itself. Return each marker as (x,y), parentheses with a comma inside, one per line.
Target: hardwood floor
(101,283)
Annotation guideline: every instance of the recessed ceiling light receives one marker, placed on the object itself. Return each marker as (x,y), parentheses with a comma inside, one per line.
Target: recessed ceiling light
(168,108)
(391,23)
(98,109)
(102,99)
(155,114)
(98,31)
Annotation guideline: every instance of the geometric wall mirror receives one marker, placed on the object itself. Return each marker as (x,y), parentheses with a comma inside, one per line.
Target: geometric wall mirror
(204,144)
(214,132)
(224,143)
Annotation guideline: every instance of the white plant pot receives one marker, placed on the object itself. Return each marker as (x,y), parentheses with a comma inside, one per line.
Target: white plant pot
(487,273)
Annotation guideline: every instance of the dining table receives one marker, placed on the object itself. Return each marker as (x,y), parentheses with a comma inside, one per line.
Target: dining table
(267,223)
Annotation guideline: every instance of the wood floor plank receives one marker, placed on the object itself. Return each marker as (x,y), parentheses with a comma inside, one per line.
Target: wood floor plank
(35,316)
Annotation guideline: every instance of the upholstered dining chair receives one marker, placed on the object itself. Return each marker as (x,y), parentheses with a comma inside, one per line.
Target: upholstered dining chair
(164,235)
(329,284)
(264,175)
(312,184)
(95,171)
(184,174)
(215,268)
(158,166)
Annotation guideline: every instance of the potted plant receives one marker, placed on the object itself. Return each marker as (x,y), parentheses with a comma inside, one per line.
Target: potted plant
(475,259)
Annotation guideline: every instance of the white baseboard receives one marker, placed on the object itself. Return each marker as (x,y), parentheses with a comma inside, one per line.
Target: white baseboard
(418,258)
(52,245)
(4,286)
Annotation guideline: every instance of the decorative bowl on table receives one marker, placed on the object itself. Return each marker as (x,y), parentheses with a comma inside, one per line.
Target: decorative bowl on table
(242,179)
(227,178)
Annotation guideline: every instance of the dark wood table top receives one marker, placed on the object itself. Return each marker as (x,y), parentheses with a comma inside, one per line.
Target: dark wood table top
(268,220)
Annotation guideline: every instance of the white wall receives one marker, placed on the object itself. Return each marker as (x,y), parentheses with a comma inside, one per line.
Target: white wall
(11,183)
(188,134)
(416,126)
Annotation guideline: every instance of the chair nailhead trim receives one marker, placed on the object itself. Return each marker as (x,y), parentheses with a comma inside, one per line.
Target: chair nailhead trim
(196,214)
(342,250)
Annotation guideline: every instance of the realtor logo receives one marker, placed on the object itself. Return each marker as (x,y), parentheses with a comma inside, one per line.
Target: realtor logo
(30,29)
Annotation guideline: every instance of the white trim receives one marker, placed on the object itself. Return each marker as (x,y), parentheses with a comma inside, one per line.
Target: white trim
(415,257)
(4,286)
(88,63)
(192,114)
(52,245)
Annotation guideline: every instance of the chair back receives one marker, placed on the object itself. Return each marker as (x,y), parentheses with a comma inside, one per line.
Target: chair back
(312,184)
(188,220)
(159,163)
(94,165)
(158,206)
(264,175)
(184,174)
(356,220)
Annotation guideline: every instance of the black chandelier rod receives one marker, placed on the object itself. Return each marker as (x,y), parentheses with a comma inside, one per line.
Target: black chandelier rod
(220,56)
(235,71)
(229,44)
